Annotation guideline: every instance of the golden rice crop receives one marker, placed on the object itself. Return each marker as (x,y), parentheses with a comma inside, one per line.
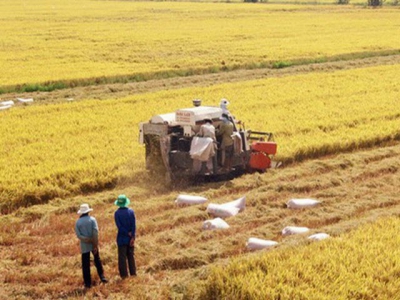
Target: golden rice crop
(55,150)
(49,41)
(359,265)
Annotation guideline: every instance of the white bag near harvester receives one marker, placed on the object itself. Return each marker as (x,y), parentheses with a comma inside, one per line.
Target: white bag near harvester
(216,223)
(302,203)
(239,203)
(289,230)
(257,244)
(190,200)
(221,210)
(318,236)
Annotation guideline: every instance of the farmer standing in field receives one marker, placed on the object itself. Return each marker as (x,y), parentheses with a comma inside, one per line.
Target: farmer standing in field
(87,232)
(126,223)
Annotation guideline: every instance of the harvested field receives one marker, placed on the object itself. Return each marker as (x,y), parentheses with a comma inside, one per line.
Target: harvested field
(172,250)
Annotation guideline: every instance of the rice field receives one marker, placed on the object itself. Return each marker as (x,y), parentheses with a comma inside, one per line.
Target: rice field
(361,265)
(336,123)
(41,259)
(62,149)
(55,44)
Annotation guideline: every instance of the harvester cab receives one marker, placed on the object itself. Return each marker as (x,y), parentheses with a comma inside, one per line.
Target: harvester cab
(173,145)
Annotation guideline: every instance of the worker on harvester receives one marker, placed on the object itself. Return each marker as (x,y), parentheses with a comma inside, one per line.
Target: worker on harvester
(225,131)
(207,129)
(223,104)
(203,148)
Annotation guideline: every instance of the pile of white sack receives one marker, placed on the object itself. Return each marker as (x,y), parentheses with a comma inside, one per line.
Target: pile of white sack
(4,105)
(256,244)
(299,204)
(225,210)
(228,209)
(232,208)
(7,104)
(219,211)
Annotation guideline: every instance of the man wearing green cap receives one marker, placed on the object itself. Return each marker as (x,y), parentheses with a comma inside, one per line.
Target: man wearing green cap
(126,224)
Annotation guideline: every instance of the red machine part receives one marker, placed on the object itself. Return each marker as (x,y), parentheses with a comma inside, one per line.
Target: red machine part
(259,157)
(266,147)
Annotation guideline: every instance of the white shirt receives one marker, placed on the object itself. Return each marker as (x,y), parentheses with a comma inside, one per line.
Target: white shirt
(207,130)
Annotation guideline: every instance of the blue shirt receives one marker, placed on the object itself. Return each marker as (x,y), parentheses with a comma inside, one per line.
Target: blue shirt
(87,231)
(126,223)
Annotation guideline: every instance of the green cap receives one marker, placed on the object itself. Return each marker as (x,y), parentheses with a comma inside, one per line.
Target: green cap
(122,201)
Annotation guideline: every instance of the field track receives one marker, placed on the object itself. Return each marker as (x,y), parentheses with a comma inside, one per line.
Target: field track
(172,249)
(108,91)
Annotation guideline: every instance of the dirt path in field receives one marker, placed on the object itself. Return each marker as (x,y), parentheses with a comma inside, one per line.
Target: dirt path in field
(110,91)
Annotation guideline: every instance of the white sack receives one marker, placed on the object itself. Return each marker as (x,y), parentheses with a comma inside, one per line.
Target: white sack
(25,100)
(222,211)
(216,223)
(4,107)
(7,103)
(302,203)
(318,236)
(239,203)
(188,199)
(202,148)
(288,230)
(257,244)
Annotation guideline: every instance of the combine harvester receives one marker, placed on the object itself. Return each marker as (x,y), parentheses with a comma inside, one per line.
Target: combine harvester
(170,140)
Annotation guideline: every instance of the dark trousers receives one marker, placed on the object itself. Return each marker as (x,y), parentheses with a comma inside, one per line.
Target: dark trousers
(86,267)
(126,253)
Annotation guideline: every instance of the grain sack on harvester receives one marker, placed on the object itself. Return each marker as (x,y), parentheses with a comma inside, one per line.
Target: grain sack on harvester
(177,144)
